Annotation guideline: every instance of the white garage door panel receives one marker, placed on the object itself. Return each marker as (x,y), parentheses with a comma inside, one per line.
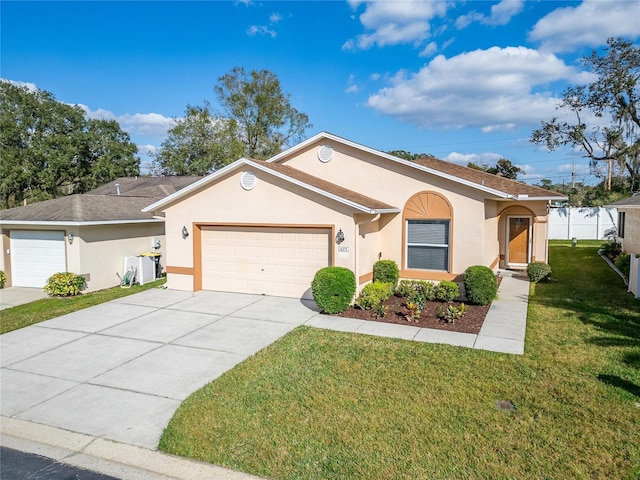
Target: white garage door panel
(269,261)
(35,256)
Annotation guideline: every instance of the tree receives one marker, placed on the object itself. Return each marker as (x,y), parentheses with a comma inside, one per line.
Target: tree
(612,98)
(408,155)
(503,168)
(267,122)
(198,144)
(49,149)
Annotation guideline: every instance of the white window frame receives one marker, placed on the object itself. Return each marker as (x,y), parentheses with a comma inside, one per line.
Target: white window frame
(446,246)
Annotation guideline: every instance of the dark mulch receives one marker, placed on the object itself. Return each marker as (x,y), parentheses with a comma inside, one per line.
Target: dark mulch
(396,312)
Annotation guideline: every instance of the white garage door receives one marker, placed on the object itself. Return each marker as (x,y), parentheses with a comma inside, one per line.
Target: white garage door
(35,256)
(269,261)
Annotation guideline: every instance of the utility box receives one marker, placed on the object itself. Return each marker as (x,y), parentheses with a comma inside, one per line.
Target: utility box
(145,268)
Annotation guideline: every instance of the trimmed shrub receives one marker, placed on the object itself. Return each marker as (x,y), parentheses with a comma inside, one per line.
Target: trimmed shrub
(623,262)
(481,284)
(538,271)
(410,288)
(446,291)
(373,294)
(404,288)
(333,289)
(386,271)
(3,279)
(65,284)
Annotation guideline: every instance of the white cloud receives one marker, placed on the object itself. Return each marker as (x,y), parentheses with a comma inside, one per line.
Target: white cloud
(275,18)
(589,24)
(261,30)
(487,89)
(147,150)
(488,158)
(429,50)
(501,14)
(143,124)
(397,22)
(28,85)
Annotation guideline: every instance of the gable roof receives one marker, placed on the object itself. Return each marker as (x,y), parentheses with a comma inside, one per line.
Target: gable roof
(100,206)
(297,177)
(491,184)
(630,202)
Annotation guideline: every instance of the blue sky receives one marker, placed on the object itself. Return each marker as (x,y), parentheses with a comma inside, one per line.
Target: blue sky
(462,80)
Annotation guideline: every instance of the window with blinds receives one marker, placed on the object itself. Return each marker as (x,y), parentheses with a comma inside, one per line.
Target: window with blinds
(428,244)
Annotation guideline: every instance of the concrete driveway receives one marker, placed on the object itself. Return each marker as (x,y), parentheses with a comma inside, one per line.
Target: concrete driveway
(13,296)
(120,370)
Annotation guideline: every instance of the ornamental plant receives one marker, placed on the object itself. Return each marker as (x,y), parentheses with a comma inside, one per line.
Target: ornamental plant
(446,291)
(65,284)
(374,294)
(538,271)
(481,284)
(3,279)
(333,289)
(386,271)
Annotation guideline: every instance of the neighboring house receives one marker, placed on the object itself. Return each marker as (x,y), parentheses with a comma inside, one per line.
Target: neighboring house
(267,227)
(628,233)
(89,234)
(628,227)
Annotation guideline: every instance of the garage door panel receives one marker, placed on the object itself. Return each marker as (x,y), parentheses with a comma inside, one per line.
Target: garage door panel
(35,256)
(270,261)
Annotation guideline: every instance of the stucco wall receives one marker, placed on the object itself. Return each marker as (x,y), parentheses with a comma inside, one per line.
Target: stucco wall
(271,202)
(538,213)
(631,240)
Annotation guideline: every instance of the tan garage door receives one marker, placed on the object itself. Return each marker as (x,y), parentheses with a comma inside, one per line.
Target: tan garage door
(263,260)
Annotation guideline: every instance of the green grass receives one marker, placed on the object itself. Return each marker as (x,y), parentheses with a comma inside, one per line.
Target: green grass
(40,310)
(328,405)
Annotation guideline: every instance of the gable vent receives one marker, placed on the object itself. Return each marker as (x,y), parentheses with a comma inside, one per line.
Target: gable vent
(248,180)
(325,153)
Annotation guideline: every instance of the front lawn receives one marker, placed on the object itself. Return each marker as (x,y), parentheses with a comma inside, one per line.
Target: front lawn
(320,404)
(40,310)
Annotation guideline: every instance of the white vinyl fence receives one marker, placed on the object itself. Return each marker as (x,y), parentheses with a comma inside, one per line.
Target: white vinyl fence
(582,223)
(634,276)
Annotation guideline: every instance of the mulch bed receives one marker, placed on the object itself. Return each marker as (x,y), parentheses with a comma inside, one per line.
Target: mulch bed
(396,312)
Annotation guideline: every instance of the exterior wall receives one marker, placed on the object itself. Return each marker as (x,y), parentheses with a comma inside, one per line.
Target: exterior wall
(271,202)
(491,240)
(5,261)
(362,172)
(631,241)
(96,251)
(368,246)
(99,251)
(538,213)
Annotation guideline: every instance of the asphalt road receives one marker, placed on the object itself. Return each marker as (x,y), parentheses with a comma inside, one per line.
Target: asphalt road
(16,465)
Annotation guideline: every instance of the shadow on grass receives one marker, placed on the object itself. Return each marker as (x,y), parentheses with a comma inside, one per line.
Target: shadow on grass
(616,381)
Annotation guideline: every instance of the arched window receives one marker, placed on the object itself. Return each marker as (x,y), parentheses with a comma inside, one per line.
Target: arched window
(427,218)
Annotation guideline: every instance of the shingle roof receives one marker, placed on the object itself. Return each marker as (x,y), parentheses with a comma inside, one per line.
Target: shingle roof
(102,204)
(633,201)
(328,187)
(506,185)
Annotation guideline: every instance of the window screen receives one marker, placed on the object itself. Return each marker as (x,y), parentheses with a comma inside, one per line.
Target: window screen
(428,244)
(621,219)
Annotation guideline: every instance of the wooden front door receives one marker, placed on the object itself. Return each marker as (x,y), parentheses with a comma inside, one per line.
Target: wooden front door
(518,240)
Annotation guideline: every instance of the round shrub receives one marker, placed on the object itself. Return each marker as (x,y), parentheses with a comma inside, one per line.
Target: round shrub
(481,284)
(3,279)
(386,271)
(333,289)
(373,294)
(538,271)
(446,291)
(65,284)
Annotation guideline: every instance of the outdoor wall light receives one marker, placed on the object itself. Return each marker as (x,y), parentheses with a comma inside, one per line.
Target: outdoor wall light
(70,238)
(339,237)
(185,233)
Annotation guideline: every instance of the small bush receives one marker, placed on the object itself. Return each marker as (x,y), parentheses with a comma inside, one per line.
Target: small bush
(333,289)
(623,262)
(386,271)
(538,271)
(611,247)
(65,284)
(404,288)
(481,284)
(3,279)
(452,313)
(409,288)
(446,291)
(373,294)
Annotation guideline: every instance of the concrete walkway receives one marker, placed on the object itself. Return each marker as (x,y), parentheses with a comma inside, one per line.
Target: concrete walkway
(14,296)
(96,388)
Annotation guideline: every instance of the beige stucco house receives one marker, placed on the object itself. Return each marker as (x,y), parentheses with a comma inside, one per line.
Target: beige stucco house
(88,234)
(267,227)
